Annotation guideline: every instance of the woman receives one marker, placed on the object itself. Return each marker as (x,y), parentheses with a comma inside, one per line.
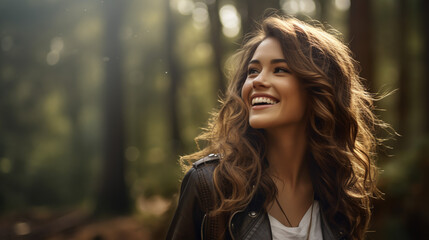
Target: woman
(294,145)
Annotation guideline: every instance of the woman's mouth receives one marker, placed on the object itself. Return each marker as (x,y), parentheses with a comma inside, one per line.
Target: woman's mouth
(258,101)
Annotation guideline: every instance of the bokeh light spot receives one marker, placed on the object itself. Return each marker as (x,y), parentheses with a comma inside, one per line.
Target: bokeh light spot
(52,58)
(185,7)
(200,15)
(57,44)
(22,228)
(307,6)
(5,165)
(299,6)
(290,6)
(342,5)
(230,20)
(132,153)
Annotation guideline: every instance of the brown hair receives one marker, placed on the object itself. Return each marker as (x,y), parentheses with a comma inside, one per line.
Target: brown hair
(340,128)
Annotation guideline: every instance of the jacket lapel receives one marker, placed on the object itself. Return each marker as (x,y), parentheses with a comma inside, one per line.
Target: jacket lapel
(253,223)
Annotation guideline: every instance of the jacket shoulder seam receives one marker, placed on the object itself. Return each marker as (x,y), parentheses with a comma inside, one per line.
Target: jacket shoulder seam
(211,158)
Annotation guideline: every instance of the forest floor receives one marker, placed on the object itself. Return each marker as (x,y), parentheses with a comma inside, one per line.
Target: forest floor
(149,222)
(73,225)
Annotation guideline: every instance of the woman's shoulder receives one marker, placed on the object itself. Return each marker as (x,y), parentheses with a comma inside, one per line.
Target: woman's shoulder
(201,172)
(198,181)
(207,161)
(195,200)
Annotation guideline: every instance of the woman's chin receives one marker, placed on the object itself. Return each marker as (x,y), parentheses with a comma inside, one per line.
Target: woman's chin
(259,123)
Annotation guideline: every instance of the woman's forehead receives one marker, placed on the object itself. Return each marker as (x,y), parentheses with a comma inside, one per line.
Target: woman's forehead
(270,48)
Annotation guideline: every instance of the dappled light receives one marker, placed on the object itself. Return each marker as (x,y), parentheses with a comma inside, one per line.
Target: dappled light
(155,205)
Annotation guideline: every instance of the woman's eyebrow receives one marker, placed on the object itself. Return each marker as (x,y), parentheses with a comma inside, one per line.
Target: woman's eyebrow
(280,60)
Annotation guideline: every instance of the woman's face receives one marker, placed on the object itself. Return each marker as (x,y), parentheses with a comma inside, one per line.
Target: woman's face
(274,96)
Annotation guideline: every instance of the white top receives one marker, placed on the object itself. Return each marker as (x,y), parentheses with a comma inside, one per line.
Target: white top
(281,232)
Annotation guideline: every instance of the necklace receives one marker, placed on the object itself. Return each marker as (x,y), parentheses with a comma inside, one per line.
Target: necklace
(287,219)
(284,214)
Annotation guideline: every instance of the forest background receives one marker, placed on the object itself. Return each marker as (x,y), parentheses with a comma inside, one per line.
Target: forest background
(99,98)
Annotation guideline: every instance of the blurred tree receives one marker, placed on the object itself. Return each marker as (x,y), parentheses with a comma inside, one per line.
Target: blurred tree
(324,9)
(252,11)
(404,74)
(424,13)
(175,78)
(216,42)
(33,142)
(361,38)
(113,193)
(79,172)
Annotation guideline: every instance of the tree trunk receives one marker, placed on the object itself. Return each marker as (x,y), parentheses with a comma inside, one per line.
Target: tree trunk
(404,75)
(424,7)
(216,42)
(113,196)
(324,9)
(253,11)
(361,38)
(79,147)
(175,79)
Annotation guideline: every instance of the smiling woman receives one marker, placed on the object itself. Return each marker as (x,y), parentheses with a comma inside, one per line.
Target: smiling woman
(293,143)
(273,94)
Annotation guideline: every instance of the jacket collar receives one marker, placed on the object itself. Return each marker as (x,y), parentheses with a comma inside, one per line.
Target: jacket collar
(253,222)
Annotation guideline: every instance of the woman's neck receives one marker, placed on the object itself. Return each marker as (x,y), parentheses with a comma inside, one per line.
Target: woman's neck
(286,156)
(289,169)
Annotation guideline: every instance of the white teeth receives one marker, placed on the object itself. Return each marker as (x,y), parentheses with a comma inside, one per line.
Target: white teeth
(263,100)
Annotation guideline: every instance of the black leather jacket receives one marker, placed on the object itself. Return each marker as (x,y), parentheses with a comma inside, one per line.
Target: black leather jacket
(189,221)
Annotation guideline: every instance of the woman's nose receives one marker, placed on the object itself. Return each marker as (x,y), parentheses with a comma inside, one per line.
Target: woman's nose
(261,81)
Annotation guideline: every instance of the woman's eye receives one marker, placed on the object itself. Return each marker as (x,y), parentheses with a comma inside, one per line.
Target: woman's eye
(281,70)
(252,71)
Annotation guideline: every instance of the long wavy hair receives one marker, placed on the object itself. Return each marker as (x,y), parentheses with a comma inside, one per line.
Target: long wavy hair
(340,128)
